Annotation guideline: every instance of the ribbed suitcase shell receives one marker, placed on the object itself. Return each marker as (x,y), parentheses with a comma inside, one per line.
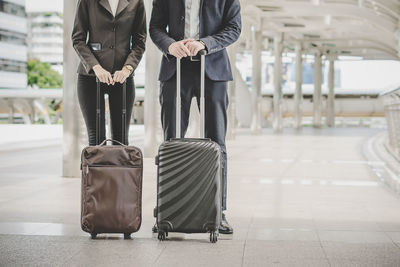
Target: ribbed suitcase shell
(189,186)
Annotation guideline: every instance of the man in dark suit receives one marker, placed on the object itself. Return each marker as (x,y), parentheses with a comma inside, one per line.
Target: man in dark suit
(181,28)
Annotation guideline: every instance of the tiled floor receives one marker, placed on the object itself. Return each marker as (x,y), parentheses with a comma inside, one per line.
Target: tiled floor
(304,198)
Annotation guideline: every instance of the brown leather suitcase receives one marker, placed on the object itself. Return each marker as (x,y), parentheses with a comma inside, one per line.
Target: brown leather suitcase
(111,195)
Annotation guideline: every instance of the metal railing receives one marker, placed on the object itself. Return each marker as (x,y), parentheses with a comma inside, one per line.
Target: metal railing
(23,104)
(391,102)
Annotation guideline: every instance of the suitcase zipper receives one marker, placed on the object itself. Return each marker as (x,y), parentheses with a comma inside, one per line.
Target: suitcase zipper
(108,166)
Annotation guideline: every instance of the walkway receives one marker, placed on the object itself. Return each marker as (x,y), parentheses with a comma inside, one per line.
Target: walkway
(296,199)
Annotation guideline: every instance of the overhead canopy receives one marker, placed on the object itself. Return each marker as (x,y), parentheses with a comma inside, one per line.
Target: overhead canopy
(363,28)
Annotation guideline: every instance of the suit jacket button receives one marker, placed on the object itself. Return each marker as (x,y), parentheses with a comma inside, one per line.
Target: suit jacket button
(112,47)
(182,18)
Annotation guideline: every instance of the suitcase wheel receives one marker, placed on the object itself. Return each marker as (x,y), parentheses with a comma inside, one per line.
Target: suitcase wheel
(127,236)
(213,237)
(93,235)
(162,236)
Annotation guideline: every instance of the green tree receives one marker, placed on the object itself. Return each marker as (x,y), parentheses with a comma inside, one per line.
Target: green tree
(41,74)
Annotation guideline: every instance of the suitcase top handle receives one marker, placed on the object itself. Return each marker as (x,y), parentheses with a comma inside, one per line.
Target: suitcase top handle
(111,140)
(202,54)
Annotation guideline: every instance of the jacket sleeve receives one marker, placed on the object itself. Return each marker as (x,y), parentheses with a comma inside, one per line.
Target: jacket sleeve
(139,33)
(158,26)
(79,36)
(230,31)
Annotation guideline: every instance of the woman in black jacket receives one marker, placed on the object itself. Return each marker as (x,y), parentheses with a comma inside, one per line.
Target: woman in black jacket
(109,37)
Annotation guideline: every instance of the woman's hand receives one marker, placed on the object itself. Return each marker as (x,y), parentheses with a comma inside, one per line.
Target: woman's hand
(103,75)
(121,75)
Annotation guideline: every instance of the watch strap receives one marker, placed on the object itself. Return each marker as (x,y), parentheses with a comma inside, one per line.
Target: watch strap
(128,67)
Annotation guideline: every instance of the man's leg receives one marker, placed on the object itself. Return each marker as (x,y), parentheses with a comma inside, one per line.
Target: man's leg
(168,111)
(168,105)
(216,102)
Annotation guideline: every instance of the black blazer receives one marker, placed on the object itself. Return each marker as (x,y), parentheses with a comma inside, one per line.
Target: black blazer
(112,42)
(220,26)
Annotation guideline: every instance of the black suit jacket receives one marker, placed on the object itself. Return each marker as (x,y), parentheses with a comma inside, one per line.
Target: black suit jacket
(220,26)
(113,42)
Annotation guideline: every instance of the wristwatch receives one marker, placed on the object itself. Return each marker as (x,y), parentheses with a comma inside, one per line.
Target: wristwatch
(128,67)
(205,47)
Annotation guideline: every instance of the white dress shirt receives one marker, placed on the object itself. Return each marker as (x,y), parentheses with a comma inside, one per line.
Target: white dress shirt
(192,19)
(113,5)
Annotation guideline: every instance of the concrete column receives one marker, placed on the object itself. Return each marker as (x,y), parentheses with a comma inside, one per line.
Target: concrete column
(256,82)
(298,95)
(317,97)
(21,107)
(152,121)
(10,103)
(230,134)
(72,129)
(277,100)
(330,113)
(32,109)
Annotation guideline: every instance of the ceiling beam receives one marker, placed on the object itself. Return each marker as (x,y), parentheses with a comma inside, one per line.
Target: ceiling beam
(371,26)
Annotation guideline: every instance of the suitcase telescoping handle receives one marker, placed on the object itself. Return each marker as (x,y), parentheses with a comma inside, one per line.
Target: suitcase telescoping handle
(202,54)
(98,112)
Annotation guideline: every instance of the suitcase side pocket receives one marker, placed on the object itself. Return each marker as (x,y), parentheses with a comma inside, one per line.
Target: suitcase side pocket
(112,199)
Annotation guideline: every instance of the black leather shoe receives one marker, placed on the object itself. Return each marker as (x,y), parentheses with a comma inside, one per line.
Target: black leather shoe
(154,229)
(225,228)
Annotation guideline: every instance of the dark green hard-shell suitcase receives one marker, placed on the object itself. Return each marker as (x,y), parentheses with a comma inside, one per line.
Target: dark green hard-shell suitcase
(189,195)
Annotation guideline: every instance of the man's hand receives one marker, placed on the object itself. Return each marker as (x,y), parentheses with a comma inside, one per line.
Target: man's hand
(103,75)
(179,50)
(121,75)
(194,47)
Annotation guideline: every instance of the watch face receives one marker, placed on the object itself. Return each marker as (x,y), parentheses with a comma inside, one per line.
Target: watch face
(128,68)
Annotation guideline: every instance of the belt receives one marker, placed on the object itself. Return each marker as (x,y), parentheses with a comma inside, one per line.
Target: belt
(191,59)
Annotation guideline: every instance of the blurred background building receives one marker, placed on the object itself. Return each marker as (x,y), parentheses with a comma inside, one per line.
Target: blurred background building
(13,44)
(45,38)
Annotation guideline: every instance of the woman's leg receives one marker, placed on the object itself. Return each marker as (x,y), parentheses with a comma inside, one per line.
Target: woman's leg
(87,93)
(115,100)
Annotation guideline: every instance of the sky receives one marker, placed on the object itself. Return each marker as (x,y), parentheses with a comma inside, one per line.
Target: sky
(44,5)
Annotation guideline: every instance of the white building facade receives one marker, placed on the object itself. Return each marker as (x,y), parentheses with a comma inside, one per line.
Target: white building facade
(13,45)
(45,38)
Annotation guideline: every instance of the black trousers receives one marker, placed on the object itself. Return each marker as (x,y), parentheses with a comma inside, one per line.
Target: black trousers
(216,102)
(87,90)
